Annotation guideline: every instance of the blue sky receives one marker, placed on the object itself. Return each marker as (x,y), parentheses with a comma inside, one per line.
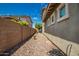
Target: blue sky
(28,9)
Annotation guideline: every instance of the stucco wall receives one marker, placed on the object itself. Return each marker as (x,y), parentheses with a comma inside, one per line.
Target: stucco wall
(68,30)
(12,33)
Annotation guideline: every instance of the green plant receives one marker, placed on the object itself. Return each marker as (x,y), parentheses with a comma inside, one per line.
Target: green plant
(14,20)
(38,26)
(23,23)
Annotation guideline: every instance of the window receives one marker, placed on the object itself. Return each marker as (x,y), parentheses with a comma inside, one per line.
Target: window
(53,18)
(49,21)
(62,12)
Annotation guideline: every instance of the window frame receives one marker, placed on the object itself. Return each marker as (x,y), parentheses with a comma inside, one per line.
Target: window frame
(50,19)
(66,12)
(48,22)
(53,15)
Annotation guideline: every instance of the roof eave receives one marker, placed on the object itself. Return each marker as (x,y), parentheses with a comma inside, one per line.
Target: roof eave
(51,8)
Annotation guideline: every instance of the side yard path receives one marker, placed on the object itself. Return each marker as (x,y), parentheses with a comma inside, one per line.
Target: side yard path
(38,45)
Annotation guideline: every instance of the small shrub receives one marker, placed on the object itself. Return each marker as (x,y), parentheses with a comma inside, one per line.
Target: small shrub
(23,23)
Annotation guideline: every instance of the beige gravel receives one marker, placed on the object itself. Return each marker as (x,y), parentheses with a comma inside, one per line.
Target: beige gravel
(38,45)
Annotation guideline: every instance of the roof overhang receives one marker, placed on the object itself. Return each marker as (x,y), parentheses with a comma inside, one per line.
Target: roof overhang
(50,9)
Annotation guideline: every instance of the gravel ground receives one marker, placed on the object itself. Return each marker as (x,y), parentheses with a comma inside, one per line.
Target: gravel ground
(38,45)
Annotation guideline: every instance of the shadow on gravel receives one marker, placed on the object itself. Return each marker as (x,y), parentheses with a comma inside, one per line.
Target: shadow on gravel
(10,51)
(55,52)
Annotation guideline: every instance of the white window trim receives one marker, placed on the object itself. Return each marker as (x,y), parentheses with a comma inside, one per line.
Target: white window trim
(67,13)
(48,22)
(50,19)
(53,18)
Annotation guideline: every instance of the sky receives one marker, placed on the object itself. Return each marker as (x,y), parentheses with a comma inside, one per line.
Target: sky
(28,9)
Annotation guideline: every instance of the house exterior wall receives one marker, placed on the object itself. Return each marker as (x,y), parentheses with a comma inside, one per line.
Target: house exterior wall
(43,24)
(43,27)
(44,13)
(67,29)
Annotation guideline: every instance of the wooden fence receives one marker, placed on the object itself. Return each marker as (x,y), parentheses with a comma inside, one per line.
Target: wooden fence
(12,33)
